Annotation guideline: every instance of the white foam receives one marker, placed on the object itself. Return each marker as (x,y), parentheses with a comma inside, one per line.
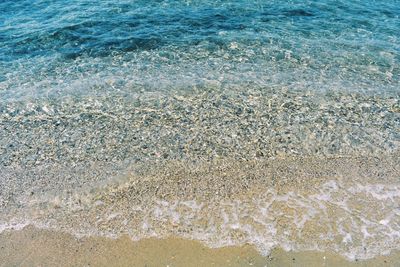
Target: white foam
(256,220)
(13,226)
(378,191)
(333,217)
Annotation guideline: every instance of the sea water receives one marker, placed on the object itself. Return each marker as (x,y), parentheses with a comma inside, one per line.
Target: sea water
(273,123)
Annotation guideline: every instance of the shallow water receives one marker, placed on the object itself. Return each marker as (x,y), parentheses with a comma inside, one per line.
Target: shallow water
(127,117)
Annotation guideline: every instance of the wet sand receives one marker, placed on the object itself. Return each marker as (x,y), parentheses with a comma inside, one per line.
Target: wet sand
(34,247)
(305,213)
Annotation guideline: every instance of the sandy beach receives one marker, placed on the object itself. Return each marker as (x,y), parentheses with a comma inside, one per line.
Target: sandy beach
(199,133)
(34,247)
(245,218)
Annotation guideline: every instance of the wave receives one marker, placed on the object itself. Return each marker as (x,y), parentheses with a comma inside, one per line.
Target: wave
(344,205)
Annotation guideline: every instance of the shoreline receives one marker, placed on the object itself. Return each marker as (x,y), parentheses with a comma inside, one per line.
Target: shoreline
(344,205)
(36,247)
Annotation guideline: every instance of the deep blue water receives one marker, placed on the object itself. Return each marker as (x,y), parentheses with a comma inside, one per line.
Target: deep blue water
(99,28)
(48,45)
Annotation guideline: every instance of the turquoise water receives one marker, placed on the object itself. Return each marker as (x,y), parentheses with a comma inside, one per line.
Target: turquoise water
(49,46)
(228,122)
(298,78)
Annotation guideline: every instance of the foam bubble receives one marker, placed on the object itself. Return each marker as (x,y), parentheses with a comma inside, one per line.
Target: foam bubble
(356,218)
